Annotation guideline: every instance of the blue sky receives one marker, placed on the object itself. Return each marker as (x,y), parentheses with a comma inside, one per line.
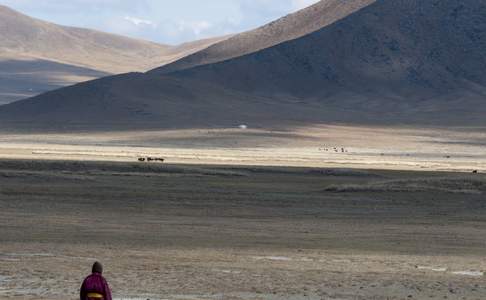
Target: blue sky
(163,21)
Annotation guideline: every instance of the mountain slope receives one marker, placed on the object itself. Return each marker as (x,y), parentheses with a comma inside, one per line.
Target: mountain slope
(23,77)
(61,55)
(29,37)
(287,28)
(397,46)
(394,61)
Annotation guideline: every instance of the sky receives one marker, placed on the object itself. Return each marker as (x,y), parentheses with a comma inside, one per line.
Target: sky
(163,21)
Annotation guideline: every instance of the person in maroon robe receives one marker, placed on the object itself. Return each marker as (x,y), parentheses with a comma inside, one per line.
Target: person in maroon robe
(95,286)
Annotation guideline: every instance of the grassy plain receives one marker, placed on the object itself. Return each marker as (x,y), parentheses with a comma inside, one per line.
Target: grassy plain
(168,231)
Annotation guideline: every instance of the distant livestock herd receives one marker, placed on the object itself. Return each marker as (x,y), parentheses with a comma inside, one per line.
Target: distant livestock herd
(151,159)
(332,149)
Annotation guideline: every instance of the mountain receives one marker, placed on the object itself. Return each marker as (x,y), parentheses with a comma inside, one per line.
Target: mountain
(28,37)
(37,56)
(409,62)
(23,77)
(284,29)
(394,49)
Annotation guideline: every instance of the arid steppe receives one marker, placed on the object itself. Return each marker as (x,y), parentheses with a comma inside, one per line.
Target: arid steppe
(228,232)
(245,213)
(398,148)
(336,152)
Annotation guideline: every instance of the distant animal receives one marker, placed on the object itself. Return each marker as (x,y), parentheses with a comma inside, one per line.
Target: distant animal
(151,159)
(475,172)
(155,159)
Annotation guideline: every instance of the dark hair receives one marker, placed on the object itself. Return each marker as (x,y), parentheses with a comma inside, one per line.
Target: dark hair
(97,268)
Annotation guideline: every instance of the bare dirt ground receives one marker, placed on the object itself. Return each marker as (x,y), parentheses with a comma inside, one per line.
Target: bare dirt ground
(308,213)
(459,149)
(234,232)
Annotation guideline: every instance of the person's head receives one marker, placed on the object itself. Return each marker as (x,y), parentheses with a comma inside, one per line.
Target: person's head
(97,268)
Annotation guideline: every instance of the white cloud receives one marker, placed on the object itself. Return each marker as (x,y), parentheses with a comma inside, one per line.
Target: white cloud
(197,27)
(139,22)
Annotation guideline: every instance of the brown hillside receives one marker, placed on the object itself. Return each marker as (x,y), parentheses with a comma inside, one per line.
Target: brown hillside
(287,28)
(38,56)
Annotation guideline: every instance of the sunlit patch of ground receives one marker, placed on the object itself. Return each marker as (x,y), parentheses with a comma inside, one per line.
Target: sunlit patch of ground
(219,227)
(319,146)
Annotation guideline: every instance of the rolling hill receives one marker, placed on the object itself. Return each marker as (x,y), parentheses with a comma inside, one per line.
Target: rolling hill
(392,62)
(37,56)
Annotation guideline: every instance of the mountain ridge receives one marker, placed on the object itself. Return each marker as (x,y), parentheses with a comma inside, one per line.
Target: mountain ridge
(289,27)
(30,37)
(392,62)
(73,54)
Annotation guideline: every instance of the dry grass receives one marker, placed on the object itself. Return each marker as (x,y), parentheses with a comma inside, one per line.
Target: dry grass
(242,233)
(365,147)
(463,185)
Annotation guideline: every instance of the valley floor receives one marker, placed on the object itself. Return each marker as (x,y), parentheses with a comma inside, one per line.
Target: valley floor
(394,148)
(166,231)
